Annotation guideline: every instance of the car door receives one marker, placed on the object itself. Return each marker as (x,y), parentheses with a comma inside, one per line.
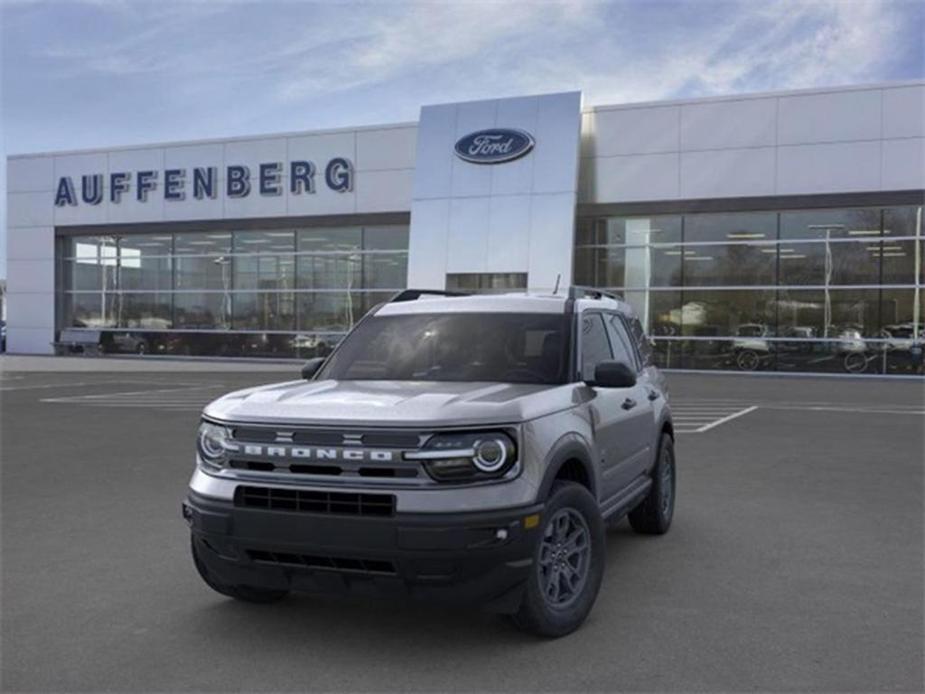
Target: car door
(643,394)
(611,410)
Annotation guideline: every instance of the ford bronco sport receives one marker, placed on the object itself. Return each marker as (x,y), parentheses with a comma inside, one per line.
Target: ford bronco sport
(467,447)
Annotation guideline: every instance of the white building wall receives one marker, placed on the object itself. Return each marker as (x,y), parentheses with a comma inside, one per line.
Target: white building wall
(845,140)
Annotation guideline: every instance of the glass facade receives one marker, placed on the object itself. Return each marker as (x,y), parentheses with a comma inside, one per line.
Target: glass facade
(286,292)
(824,290)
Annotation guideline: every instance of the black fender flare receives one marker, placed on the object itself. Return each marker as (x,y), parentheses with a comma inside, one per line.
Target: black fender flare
(569,447)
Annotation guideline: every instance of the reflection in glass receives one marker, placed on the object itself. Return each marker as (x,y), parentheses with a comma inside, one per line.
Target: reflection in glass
(727,312)
(839,313)
(736,226)
(264,311)
(486,282)
(203,243)
(151,310)
(728,265)
(861,223)
(203,310)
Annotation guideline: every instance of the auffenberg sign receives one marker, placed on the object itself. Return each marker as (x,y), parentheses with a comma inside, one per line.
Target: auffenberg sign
(203,182)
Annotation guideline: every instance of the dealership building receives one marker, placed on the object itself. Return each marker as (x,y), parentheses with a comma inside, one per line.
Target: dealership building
(776,232)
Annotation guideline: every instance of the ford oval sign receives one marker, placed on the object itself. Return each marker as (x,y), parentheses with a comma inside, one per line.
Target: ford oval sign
(494,146)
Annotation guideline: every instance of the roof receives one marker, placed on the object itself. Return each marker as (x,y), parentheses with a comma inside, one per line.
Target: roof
(520,302)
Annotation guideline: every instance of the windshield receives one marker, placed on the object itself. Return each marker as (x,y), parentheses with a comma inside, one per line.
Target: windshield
(502,347)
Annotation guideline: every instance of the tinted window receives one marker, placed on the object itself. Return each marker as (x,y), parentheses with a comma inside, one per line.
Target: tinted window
(620,341)
(643,346)
(500,347)
(595,347)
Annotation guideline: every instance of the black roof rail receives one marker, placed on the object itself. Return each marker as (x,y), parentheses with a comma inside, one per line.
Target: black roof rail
(579,292)
(415,294)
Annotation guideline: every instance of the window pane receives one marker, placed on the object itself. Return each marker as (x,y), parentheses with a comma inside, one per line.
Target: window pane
(91,249)
(146,244)
(92,310)
(732,265)
(264,271)
(334,312)
(898,315)
(330,271)
(208,272)
(330,239)
(487,282)
(848,313)
(902,221)
(856,262)
(594,345)
(620,343)
(834,224)
(662,308)
(202,310)
(740,226)
(898,259)
(728,313)
(385,271)
(203,243)
(628,230)
(264,241)
(263,311)
(145,272)
(152,311)
(385,238)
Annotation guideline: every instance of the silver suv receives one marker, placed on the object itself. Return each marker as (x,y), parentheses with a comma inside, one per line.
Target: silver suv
(455,447)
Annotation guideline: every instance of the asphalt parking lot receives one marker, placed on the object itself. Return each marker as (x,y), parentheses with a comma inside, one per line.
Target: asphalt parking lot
(795,562)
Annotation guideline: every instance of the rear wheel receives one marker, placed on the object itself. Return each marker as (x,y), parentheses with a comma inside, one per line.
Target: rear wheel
(653,515)
(747,360)
(568,564)
(238,592)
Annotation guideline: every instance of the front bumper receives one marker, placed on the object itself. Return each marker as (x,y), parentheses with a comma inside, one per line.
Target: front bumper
(480,558)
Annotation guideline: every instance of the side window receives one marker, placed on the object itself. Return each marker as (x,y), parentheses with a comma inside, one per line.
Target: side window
(642,341)
(595,347)
(622,347)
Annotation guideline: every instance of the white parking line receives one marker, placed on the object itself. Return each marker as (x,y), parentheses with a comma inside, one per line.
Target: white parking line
(696,417)
(727,418)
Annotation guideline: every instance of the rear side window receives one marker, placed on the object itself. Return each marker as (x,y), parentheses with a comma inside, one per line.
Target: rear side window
(642,341)
(622,346)
(595,347)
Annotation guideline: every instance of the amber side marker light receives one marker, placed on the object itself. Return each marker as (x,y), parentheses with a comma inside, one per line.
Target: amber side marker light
(532,521)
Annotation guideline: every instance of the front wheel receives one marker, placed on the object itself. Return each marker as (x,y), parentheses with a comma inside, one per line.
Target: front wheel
(568,564)
(653,515)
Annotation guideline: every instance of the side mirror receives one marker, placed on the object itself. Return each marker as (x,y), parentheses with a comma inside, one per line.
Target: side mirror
(310,368)
(613,374)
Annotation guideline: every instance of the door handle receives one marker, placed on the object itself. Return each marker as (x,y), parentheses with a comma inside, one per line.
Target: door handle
(628,404)
(653,395)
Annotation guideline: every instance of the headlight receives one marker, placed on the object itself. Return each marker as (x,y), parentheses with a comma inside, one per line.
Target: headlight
(213,442)
(467,457)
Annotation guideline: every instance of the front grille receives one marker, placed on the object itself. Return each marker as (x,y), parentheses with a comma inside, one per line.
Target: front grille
(313,501)
(321,437)
(344,564)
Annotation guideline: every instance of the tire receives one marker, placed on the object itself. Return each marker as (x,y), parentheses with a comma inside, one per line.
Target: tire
(573,509)
(748,360)
(653,515)
(240,592)
(855,363)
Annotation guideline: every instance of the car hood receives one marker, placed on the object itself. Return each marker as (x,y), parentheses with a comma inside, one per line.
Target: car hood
(391,403)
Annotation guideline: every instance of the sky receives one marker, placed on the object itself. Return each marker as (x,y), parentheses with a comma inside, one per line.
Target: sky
(96,73)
